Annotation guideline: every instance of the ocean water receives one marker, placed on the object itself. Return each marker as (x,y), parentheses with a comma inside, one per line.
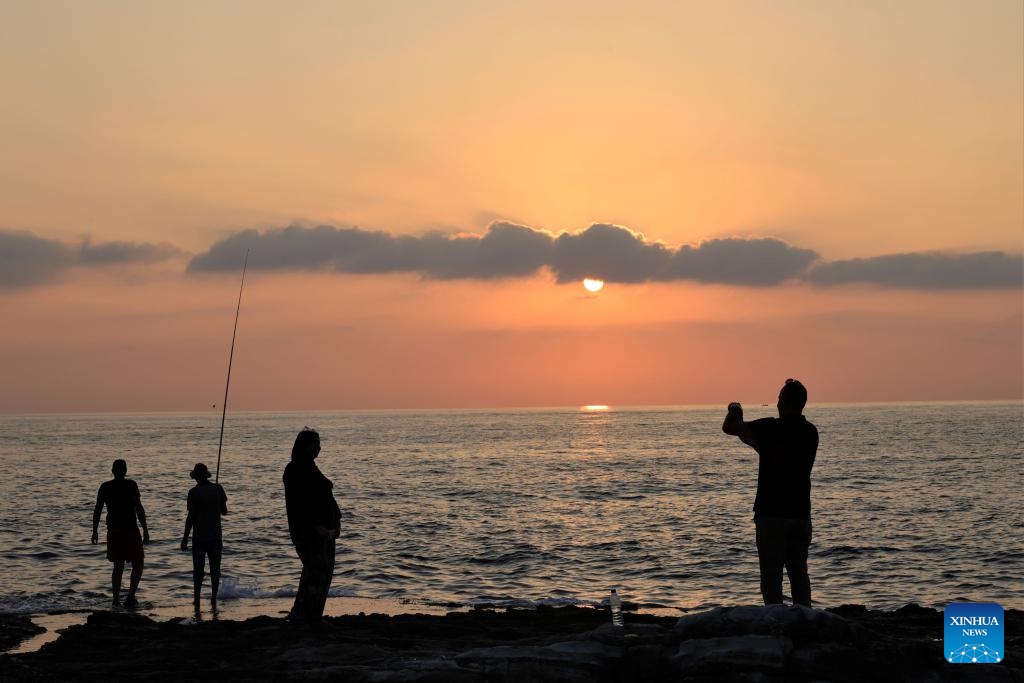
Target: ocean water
(911,502)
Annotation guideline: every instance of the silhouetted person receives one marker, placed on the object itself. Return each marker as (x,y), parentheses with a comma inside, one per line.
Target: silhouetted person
(786,447)
(206,503)
(124,504)
(314,522)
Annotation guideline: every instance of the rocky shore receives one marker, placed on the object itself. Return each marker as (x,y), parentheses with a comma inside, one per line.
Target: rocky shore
(847,643)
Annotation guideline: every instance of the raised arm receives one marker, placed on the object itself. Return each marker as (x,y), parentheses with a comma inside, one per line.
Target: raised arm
(735,426)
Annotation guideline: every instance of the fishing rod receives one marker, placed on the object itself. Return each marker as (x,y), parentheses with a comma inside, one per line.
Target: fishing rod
(231,357)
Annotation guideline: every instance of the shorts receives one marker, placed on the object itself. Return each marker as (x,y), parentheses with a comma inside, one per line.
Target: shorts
(211,549)
(124,545)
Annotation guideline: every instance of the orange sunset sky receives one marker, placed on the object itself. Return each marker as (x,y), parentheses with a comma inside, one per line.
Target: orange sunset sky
(832,191)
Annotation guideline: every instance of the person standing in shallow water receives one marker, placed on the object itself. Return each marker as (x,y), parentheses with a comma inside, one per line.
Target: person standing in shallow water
(786,448)
(314,523)
(206,503)
(124,503)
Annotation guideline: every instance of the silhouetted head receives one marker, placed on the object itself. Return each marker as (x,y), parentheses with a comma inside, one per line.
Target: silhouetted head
(119,468)
(792,398)
(307,445)
(200,472)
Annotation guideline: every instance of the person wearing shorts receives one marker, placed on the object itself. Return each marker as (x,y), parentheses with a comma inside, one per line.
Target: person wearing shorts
(206,503)
(124,544)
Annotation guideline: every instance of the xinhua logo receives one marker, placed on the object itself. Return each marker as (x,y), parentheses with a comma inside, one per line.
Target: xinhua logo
(974,633)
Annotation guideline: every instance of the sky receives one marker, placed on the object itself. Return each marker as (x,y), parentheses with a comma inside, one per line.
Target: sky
(832,191)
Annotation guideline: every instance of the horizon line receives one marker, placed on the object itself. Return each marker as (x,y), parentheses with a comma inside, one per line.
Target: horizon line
(611,407)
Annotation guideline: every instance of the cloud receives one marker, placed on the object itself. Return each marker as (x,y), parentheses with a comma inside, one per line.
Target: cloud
(612,253)
(756,262)
(609,252)
(109,253)
(616,254)
(27,260)
(505,250)
(291,248)
(925,270)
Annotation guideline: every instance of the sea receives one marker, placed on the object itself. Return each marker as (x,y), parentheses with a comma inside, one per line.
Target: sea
(443,510)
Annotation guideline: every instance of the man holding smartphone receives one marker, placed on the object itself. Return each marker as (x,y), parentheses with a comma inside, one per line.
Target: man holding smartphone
(786,448)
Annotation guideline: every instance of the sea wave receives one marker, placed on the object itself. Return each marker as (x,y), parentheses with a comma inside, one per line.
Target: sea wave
(531,508)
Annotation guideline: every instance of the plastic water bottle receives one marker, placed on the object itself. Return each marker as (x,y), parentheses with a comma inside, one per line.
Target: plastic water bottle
(615,602)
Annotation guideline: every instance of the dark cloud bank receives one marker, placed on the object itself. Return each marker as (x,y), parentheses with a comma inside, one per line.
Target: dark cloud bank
(925,270)
(27,260)
(609,252)
(506,250)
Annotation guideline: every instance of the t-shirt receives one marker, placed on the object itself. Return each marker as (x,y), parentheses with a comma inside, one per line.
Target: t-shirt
(205,502)
(786,448)
(119,495)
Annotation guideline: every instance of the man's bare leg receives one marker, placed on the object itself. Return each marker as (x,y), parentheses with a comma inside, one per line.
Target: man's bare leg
(133,583)
(115,581)
(214,576)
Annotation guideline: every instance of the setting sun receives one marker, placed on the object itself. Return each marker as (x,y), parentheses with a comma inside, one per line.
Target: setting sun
(593,285)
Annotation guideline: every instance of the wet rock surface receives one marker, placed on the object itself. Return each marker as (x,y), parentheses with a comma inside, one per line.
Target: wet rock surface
(847,643)
(15,628)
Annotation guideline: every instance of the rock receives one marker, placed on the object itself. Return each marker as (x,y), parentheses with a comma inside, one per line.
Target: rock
(837,662)
(706,656)
(505,653)
(518,663)
(771,644)
(588,648)
(849,611)
(120,620)
(418,671)
(15,628)
(631,635)
(796,621)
